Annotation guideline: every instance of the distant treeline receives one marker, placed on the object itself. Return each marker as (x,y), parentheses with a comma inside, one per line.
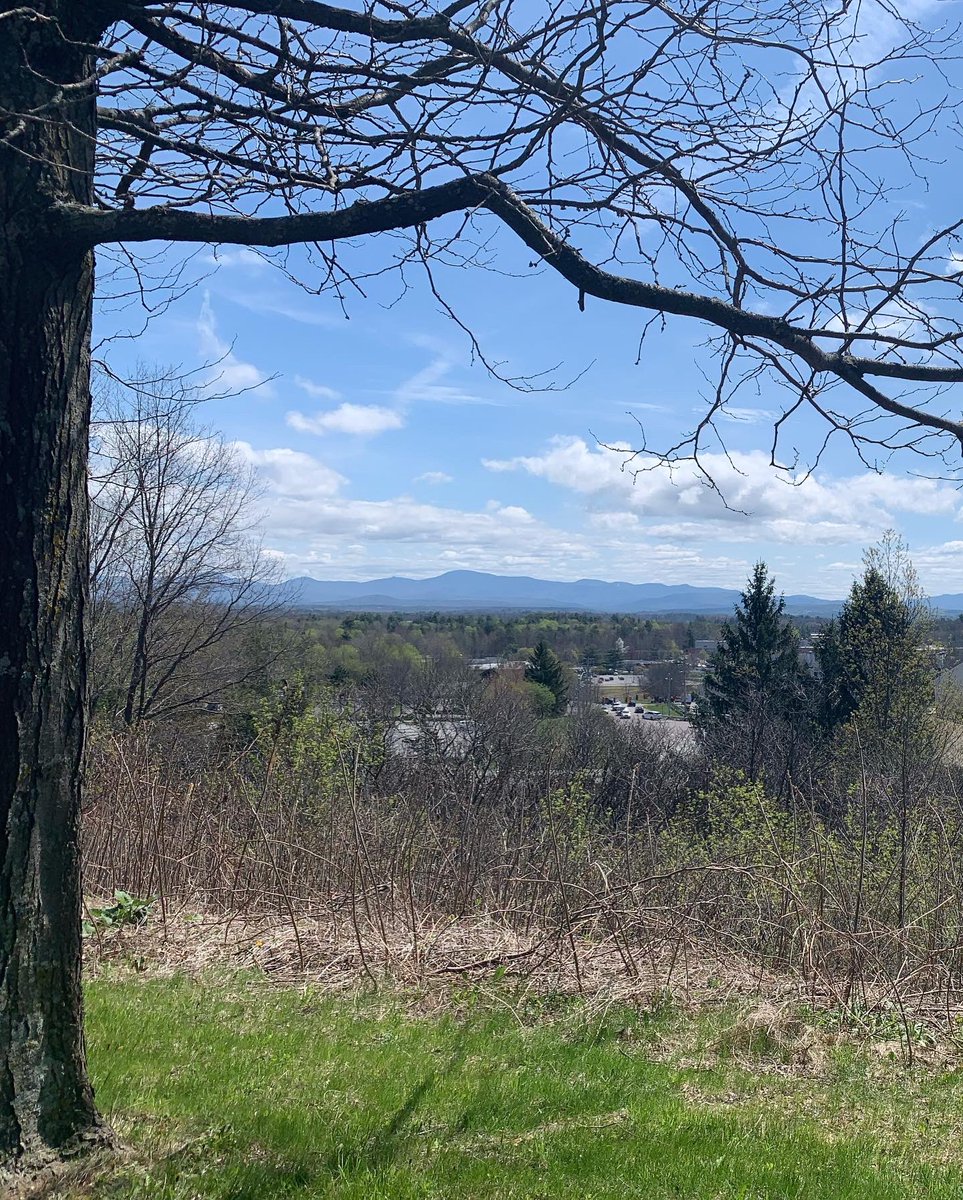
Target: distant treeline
(347,650)
(577,638)
(353,640)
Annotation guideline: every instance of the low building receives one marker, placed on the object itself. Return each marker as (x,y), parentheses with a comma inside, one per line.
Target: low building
(484,664)
(512,667)
(807,656)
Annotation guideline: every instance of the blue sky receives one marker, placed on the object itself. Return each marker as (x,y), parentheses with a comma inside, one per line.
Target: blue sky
(383,448)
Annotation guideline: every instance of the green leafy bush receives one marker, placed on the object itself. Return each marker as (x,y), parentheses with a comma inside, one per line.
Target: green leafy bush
(125,910)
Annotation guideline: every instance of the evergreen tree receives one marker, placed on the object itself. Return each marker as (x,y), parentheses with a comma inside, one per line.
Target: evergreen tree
(872,658)
(610,662)
(755,689)
(545,668)
(877,692)
(758,655)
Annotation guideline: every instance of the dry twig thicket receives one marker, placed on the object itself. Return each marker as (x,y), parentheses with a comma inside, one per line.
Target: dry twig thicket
(632,868)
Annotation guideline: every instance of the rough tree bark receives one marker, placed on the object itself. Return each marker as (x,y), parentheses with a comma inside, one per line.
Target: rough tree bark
(46,291)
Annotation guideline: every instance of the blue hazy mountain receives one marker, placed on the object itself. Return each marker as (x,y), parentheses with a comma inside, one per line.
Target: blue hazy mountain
(474,591)
(478,590)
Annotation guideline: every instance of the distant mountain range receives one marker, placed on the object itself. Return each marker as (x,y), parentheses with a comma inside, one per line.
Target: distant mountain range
(475,591)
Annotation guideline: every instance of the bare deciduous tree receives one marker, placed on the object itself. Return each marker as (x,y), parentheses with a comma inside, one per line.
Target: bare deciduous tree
(177,570)
(714,160)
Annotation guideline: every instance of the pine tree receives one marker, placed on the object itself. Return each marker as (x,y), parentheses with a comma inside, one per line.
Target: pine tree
(755,689)
(545,668)
(613,660)
(758,655)
(872,658)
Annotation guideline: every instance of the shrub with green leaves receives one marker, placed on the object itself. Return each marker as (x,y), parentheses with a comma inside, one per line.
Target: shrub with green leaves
(314,740)
(125,910)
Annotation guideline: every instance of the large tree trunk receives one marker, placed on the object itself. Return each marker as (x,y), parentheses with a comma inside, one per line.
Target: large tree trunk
(46,289)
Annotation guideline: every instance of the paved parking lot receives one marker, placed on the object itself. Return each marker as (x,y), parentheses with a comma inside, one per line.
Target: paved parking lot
(672,731)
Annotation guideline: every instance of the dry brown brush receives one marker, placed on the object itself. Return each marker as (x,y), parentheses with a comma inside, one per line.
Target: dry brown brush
(632,863)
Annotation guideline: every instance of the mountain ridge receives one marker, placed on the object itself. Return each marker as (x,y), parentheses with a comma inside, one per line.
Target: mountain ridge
(481,590)
(477,591)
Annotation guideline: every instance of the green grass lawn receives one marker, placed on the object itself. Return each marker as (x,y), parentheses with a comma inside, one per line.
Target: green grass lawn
(231,1089)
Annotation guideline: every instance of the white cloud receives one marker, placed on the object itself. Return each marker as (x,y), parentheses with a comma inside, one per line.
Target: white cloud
(940,567)
(316,528)
(745,416)
(879,30)
(406,520)
(227,373)
(678,503)
(307,518)
(291,474)
(427,385)
(511,512)
(236,257)
(434,478)
(270,303)
(265,299)
(359,420)
(436,540)
(317,391)
(894,319)
(656,530)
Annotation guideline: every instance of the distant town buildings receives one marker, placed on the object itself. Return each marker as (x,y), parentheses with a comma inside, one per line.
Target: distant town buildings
(504,666)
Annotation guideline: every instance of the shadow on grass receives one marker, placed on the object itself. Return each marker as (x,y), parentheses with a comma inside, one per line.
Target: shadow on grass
(347,1108)
(247,1178)
(382,1147)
